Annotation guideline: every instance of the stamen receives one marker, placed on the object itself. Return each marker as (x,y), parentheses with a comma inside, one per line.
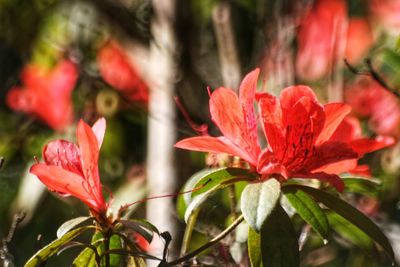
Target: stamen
(199,129)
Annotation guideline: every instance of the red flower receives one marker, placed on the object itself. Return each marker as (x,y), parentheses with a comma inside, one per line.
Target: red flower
(46,94)
(71,169)
(299,131)
(236,120)
(116,70)
(302,135)
(359,39)
(369,99)
(386,12)
(321,37)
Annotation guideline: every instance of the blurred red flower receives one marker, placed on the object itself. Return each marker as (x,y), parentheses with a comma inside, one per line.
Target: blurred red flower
(386,13)
(46,94)
(321,37)
(359,39)
(236,120)
(70,169)
(118,71)
(369,99)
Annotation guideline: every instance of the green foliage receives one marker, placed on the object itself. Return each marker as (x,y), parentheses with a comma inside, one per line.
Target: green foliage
(309,210)
(258,200)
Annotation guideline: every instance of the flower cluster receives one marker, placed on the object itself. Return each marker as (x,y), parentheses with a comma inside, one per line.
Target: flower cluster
(305,138)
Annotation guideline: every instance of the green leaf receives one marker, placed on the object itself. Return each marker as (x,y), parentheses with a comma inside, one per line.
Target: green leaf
(351,214)
(279,244)
(309,210)
(52,248)
(115,243)
(143,227)
(362,185)
(86,258)
(349,231)
(258,200)
(197,201)
(71,224)
(254,248)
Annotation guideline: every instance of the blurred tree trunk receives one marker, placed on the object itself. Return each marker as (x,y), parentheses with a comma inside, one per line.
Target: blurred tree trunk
(161,130)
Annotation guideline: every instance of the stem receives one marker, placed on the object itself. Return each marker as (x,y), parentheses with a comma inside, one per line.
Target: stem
(107,236)
(211,243)
(187,236)
(232,200)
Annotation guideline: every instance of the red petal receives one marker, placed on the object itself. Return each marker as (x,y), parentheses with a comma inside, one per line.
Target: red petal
(366,145)
(268,164)
(333,179)
(214,145)
(89,149)
(271,115)
(338,167)
(334,115)
(248,89)
(63,154)
(348,130)
(66,182)
(227,114)
(99,128)
(331,152)
(291,95)
(303,123)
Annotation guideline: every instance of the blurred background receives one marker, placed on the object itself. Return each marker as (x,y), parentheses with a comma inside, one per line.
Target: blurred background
(145,66)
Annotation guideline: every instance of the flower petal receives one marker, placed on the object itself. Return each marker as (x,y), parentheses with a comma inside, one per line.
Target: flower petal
(271,115)
(338,167)
(89,149)
(226,112)
(66,182)
(99,128)
(63,154)
(333,179)
(331,152)
(291,95)
(214,145)
(247,93)
(268,164)
(366,145)
(334,115)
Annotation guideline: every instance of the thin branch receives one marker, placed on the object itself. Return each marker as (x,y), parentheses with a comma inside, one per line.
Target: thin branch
(373,73)
(211,243)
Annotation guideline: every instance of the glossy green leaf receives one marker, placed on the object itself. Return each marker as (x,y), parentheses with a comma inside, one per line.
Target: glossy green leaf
(351,214)
(142,227)
(279,243)
(52,248)
(254,248)
(258,200)
(115,243)
(361,185)
(86,258)
(309,210)
(71,224)
(349,231)
(198,200)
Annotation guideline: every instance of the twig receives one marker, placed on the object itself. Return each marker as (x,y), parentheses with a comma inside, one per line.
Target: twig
(211,243)
(373,74)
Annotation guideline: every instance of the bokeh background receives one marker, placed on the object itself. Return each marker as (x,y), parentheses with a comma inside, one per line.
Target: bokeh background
(145,66)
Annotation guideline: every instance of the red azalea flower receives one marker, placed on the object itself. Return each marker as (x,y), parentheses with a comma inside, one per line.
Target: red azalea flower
(236,120)
(369,99)
(359,39)
(321,37)
(299,130)
(46,94)
(116,70)
(71,169)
